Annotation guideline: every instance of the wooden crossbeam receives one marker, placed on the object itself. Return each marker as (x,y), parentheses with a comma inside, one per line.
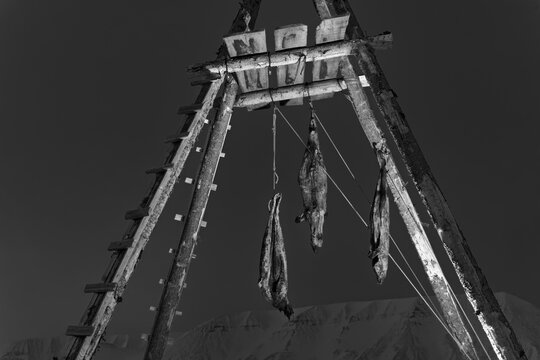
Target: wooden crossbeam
(282,58)
(287,37)
(299,91)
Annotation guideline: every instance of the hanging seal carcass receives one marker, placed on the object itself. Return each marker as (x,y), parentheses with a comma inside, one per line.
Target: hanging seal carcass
(379,223)
(313,182)
(273,264)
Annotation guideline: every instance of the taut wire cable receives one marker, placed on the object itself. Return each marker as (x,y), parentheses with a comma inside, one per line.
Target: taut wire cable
(399,249)
(393,260)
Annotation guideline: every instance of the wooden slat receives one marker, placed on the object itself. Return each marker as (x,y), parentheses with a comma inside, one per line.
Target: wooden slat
(246,43)
(331,29)
(189,109)
(287,37)
(136,214)
(79,331)
(159,170)
(120,245)
(100,288)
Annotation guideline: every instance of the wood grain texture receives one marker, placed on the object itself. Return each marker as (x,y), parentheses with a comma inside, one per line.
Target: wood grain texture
(176,279)
(247,43)
(287,37)
(330,29)
(494,323)
(374,133)
(99,312)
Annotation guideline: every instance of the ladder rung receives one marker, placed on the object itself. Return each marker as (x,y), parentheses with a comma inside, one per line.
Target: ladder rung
(189,109)
(178,138)
(79,330)
(159,170)
(100,288)
(208,78)
(136,214)
(120,245)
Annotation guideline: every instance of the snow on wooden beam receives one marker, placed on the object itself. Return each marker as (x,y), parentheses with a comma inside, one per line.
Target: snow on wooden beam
(282,58)
(293,92)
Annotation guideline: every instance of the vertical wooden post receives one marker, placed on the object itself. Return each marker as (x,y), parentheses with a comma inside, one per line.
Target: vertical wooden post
(177,275)
(497,328)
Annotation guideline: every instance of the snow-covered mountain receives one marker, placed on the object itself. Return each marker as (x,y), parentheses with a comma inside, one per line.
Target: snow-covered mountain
(384,329)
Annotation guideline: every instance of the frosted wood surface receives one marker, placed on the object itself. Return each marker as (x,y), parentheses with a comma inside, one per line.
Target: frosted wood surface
(287,37)
(331,29)
(253,42)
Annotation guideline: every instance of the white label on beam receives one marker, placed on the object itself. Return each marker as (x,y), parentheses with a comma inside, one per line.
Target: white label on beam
(229,127)
(161,281)
(153,308)
(222,155)
(363,81)
(193,256)
(198,149)
(144,337)
(178,217)
(203,224)
(178,313)
(189,180)
(171,250)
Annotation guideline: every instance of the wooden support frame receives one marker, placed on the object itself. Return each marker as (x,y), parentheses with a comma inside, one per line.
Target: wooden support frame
(178,272)
(286,57)
(99,312)
(494,323)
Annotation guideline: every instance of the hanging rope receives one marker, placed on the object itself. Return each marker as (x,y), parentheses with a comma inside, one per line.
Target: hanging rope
(432,309)
(275,177)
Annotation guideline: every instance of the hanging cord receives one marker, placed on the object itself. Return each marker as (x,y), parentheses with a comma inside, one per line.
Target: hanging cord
(393,260)
(275,176)
(398,248)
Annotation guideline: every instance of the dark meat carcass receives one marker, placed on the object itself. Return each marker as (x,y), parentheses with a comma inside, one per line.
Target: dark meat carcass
(314,186)
(380,224)
(273,265)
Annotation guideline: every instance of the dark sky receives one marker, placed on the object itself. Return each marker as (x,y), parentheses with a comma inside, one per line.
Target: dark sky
(88,90)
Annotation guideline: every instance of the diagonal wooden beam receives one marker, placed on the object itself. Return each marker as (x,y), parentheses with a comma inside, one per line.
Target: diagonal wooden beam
(180,265)
(99,312)
(402,199)
(494,323)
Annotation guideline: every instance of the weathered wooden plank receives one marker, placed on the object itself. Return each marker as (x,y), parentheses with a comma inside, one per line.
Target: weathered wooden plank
(79,331)
(248,43)
(374,133)
(137,214)
(120,245)
(287,37)
(494,323)
(189,109)
(331,29)
(281,58)
(159,170)
(100,288)
(100,309)
(178,272)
